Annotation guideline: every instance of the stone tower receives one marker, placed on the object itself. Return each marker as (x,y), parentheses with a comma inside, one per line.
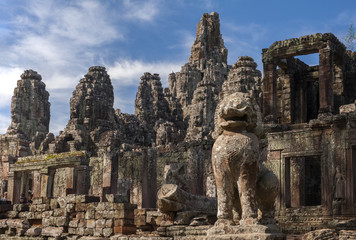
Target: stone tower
(30,108)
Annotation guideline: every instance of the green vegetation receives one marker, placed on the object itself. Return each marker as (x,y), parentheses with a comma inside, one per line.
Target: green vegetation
(350,38)
(51,156)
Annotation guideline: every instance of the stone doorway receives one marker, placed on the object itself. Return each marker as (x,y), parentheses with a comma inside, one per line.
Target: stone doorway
(302,181)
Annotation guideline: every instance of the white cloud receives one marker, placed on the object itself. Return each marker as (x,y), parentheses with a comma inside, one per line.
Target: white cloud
(4,123)
(128,72)
(141,10)
(8,79)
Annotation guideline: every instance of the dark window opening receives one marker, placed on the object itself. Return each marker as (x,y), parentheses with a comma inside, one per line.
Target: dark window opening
(312,181)
(303,181)
(312,100)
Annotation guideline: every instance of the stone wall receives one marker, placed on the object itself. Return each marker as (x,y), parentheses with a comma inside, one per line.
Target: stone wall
(67,217)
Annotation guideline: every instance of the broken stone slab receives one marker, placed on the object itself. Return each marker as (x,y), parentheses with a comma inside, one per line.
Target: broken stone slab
(224,230)
(33,232)
(320,234)
(116,198)
(52,231)
(173,199)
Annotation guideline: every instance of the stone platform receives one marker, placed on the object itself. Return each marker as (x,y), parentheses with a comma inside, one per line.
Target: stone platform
(255,232)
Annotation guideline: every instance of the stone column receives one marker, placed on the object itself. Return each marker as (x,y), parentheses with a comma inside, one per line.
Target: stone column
(297,185)
(107,166)
(70,181)
(44,182)
(82,179)
(149,178)
(325,81)
(11,186)
(14,187)
(36,184)
(269,91)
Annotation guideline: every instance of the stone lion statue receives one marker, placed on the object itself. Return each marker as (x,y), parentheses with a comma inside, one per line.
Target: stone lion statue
(235,159)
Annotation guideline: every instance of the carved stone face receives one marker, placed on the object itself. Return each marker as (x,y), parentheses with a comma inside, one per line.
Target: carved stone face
(237,113)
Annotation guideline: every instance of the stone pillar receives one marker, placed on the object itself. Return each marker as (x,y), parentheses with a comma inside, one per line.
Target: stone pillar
(14,187)
(50,182)
(195,169)
(325,81)
(297,184)
(36,184)
(149,178)
(11,186)
(44,182)
(106,173)
(70,181)
(82,180)
(269,91)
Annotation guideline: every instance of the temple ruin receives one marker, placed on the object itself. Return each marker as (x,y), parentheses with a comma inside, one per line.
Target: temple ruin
(149,174)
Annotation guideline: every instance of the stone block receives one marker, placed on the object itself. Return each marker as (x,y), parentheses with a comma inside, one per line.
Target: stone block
(54,203)
(127,230)
(18,223)
(126,206)
(47,222)
(125,214)
(80,207)
(88,231)
(82,223)
(80,215)
(98,214)
(104,206)
(62,202)
(115,198)
(33,232)
(72,230)
(37,201)
(21,207)
(33,208)
(3,223)
(70,207)
(140,220)
(73,223)
(91,223)
(154,218)
(123,222)
(80,231)
(52,231)
(26,215)
(38,215)
(98,232)
(12,214)
(43,207)
(59,212)
(90,214)
(108,214)
(47,214)
(61,221)
(71,198)
(109,223)
(107,232)
(86,199)
(100,223)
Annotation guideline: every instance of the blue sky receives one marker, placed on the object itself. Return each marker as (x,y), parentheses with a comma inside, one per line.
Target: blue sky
(62,39)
